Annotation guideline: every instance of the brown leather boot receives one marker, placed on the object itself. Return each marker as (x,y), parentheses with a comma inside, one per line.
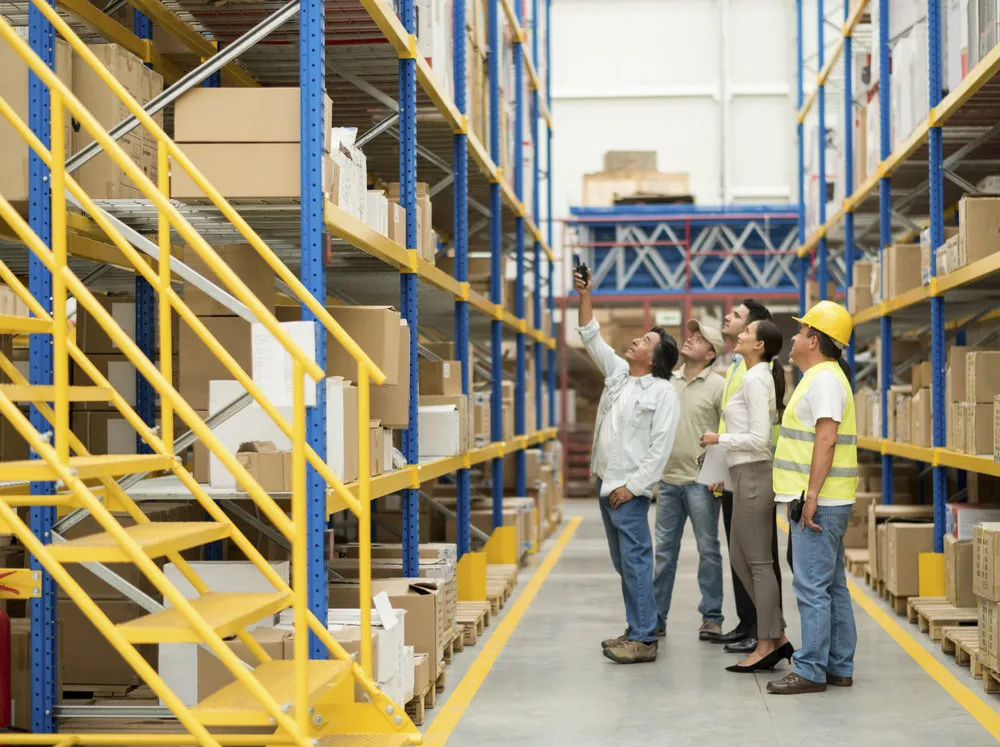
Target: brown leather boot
(835,681)
(631,652)
(609,642)
(792,684)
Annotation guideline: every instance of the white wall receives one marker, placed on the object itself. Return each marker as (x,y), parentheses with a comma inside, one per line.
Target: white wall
(645,75)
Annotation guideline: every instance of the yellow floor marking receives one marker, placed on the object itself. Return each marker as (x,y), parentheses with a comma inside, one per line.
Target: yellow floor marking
(446,721)
(965,697)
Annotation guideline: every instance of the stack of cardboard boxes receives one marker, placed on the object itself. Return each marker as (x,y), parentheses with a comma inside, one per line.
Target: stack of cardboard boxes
(246,143)
(921,411)
(974,415)
(426,237)
(943,255)
(859,295)
(986,587)
(895,542)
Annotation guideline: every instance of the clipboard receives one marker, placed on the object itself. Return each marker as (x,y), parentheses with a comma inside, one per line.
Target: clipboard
(714,468)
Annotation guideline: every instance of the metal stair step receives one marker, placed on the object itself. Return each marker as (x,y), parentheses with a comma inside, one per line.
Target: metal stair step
(155,538)
(226,613)
(365,740)
(111,465)
(234,705)
(27,325)
(24,393)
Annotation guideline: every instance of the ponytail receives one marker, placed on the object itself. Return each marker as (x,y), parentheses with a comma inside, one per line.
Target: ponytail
(778,375)
(769,334)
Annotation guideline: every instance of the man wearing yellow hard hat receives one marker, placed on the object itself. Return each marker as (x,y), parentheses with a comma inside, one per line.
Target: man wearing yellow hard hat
(816,475)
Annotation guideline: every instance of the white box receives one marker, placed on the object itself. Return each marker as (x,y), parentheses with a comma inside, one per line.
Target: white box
(439,431)
(951,44)
(962,519)
(406,672)
(273,364)
(178,662)
(378,211)
(254,424)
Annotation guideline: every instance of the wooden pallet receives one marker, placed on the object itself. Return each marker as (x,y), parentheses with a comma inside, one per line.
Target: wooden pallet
(495,597)
(505,573)
(419,703)
(991,680)
(449,651)
(473,618)
(856,562)
(869,578)
(897,603)
(962,641)
(932,614)
(440,682)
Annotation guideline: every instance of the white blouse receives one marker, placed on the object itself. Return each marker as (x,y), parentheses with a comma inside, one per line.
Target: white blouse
(750,415)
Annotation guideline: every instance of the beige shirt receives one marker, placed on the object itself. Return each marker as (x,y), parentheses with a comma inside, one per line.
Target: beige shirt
(701,408)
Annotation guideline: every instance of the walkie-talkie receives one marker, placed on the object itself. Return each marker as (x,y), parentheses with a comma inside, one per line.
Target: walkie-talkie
(582,270)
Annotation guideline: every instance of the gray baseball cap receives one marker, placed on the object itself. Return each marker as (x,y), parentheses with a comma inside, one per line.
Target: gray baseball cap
(712,334)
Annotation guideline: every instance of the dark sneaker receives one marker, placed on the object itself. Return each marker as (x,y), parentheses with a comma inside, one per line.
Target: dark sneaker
(631,652)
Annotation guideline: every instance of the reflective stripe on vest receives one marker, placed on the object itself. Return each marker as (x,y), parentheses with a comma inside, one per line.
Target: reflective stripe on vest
(793,456)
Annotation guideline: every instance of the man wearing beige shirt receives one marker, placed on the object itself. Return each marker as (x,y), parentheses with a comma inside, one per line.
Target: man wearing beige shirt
(680,496)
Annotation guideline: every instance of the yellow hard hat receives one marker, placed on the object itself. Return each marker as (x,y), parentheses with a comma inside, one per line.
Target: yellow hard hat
(830,318)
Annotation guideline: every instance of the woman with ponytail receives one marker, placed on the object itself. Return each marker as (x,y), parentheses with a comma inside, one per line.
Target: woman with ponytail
(750,416)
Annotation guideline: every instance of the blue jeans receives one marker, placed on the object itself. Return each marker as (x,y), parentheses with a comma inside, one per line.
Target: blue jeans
(829,635)
(675,504)
(631,547)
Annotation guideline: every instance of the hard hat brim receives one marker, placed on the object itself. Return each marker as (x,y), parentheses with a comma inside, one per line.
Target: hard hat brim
(838,342)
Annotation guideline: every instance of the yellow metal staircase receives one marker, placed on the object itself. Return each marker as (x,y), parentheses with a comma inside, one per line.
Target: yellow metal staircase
(297,701)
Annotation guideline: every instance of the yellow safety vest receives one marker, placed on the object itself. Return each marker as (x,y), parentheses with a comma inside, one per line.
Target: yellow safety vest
(793,457)
(734,380)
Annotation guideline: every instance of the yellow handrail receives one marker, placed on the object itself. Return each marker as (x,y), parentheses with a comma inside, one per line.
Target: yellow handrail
(60,357)
(179,223)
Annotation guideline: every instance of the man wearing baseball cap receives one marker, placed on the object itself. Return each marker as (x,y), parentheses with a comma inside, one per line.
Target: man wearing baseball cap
(680,496)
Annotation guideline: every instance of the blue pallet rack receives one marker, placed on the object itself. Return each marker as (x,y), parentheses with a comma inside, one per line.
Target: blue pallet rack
(870,206)
(314,236)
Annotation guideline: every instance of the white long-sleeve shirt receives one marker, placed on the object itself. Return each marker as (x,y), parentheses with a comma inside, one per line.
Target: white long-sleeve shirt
(750,415)
(636,421)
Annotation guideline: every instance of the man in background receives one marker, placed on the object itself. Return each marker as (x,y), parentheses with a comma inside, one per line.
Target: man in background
(743,638)
(633,435)
(699,389)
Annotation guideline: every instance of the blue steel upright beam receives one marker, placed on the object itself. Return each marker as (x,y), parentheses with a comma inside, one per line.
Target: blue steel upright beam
(849,171)
(408,281)
(461,206)
(803,262)
(885,227)
(935,161)
(312,79)
(548,212)
(520,458)
(496,257)
(536,202)
(821,258)
(44,679)
(145,315)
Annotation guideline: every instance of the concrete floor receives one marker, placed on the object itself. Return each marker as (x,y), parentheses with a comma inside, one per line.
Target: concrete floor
(551,686)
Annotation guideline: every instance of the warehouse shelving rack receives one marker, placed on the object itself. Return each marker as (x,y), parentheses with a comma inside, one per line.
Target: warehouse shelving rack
(355,50)
(925,175)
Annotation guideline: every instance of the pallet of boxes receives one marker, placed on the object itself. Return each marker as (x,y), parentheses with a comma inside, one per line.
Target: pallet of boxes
(986,585)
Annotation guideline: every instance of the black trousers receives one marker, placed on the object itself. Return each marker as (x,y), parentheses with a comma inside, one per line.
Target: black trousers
(745,610)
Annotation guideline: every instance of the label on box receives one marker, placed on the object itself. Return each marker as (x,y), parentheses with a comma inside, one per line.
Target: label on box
(446,370)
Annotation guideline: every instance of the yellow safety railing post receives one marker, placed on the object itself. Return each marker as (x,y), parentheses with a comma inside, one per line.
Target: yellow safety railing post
(364,520)
(163,296)
(60,323)
(300,561)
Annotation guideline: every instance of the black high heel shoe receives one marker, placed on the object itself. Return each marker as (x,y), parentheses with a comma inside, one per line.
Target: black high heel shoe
(768,662)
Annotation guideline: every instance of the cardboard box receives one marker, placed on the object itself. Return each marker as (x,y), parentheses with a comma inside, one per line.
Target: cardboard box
(100,177)
(481,418)
(902,269)
(859,299)
(920,376)
(440,431)
(268,466)
(242,115)
(996,429)
(397,223)
(958,572)
(983,489)
(462,403)
(979,228)
(114,367)
(245,171)
(856,535)
(922,419)
(88,657)
(986,561)
(440,377)
(377,330)
(955,373)
(961,423)
(91,337)
(243,259)
(979,429)
(982,375)
(905,543)
(14,90)
(198,366)
(391,404)
(989,634)
(20,669)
